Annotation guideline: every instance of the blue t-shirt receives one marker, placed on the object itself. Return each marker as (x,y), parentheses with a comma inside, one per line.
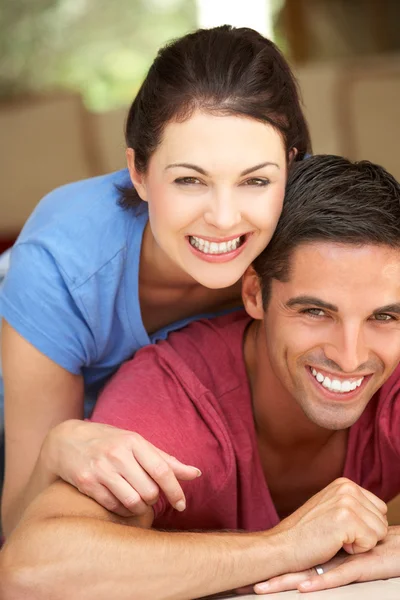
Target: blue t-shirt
(72,288)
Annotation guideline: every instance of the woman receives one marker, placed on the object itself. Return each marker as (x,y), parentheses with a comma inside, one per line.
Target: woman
(108,265)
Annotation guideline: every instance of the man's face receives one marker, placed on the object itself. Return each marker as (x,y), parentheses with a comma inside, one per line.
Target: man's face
(333,330)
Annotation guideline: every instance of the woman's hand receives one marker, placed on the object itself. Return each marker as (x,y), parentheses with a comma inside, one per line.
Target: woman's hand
(119,469)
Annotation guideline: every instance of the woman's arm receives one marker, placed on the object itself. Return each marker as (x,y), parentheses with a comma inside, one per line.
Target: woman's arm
(39,394)
(45,440)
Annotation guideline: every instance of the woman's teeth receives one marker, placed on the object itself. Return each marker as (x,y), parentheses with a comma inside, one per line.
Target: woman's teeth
(214,247)
(337,385)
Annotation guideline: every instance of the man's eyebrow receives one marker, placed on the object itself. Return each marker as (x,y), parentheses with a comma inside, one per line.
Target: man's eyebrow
(389,308)
(204,172)
(307,300)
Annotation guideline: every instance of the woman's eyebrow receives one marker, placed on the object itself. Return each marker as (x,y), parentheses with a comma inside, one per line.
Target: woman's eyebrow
(260,166)
(204,172)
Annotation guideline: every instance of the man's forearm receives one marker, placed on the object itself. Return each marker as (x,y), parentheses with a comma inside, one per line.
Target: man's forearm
(86,558)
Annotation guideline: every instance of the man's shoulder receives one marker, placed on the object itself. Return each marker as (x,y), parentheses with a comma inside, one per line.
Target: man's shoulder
(210,350)
(374,442)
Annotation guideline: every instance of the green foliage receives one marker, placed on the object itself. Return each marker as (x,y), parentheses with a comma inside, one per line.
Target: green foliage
(101,48)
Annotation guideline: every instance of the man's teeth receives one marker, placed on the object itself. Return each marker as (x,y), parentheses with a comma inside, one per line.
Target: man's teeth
(214,247)
(337,385)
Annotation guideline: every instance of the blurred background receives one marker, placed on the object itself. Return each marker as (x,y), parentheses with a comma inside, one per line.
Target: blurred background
(70,68)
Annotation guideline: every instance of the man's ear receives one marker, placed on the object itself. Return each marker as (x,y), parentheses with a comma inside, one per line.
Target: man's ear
(292,155)
(252,295)
(137,178)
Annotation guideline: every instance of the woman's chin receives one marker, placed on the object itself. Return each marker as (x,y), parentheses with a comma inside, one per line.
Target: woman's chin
(216,281)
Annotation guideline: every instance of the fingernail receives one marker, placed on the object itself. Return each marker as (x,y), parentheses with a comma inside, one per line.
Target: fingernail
(199,473)
(262,587)
(305,584)
(181,505)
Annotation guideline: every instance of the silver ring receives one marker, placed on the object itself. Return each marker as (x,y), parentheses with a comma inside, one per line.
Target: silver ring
(319,570)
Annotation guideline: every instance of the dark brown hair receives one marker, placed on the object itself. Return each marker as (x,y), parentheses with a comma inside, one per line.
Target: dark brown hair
(329,198)
(223,70)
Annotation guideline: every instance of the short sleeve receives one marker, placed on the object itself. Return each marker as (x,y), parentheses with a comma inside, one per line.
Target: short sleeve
(154,396)
(36,300)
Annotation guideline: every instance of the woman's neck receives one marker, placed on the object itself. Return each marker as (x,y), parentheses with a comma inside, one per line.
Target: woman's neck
(168,294)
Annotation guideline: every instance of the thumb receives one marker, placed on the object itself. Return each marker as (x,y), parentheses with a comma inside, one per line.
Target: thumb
(181,470)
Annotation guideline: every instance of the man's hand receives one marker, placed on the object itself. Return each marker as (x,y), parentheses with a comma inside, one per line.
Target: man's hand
(381,562)
(342,515)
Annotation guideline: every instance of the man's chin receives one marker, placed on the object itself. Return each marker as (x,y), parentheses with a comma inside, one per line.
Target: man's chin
(334,420)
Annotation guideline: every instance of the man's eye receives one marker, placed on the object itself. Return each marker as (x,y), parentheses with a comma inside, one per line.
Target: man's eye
(383,317)
(256,182)
(187,181)
(314,312)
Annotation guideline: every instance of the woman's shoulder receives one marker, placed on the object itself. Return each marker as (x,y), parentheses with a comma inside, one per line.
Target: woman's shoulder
(82,226)
(74,206)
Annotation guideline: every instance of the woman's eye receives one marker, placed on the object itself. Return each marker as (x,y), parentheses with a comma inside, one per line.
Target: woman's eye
(314,312)
(187,181)
(256,182)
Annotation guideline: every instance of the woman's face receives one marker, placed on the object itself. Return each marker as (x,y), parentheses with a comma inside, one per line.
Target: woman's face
(215,188)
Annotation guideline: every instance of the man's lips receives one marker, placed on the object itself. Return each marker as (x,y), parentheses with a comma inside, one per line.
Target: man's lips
(338,386)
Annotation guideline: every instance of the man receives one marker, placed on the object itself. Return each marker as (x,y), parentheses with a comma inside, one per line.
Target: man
(292,413)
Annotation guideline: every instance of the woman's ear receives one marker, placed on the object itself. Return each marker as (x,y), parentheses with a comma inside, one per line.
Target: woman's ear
(252,294)
(137,178)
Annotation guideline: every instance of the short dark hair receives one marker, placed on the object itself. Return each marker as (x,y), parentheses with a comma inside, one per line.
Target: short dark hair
(223,70)
(329,198)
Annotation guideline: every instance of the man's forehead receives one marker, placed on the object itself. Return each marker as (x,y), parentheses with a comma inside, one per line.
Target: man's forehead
(338,273)
(321,255)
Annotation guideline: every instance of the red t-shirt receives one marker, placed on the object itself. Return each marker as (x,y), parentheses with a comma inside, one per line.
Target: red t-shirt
(190,396)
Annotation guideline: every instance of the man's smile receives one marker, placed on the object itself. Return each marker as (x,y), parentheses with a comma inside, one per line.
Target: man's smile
(333,384)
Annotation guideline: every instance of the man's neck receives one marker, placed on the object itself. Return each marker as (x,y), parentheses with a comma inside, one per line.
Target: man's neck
(298,457)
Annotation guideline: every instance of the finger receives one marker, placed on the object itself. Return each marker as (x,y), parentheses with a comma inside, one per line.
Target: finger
(139,480)
(367,529)
(182,471)
(349,488)
(371,513)
(290,581)
(126,495)
(161,472)
(283,583)
(366,503)
(348,572)
(103,496)
(380,504)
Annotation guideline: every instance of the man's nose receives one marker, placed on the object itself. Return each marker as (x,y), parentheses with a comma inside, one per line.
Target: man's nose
(348,349)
